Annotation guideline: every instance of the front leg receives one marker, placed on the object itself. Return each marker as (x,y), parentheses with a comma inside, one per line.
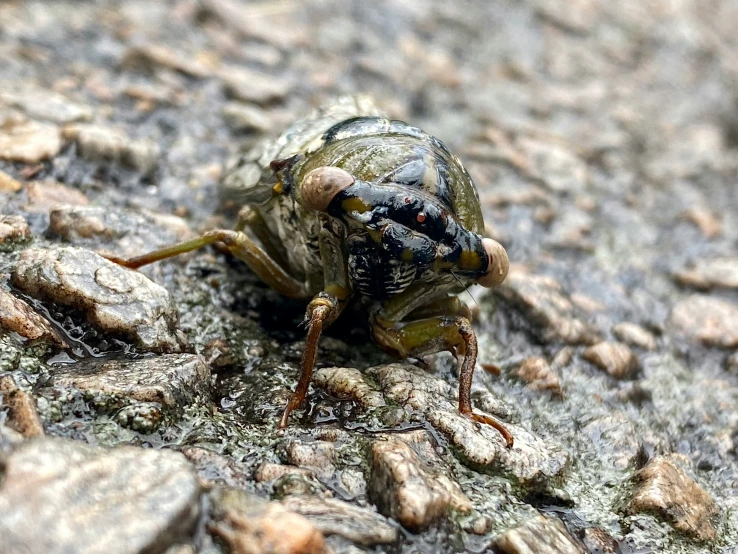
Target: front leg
(323,309)
(450,332)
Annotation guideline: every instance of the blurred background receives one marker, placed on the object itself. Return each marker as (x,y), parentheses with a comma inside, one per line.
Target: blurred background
(603,139)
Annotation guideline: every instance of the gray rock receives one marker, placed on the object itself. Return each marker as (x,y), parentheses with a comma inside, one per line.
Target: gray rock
(336,517)
(174,381)
(114,299)
(616,358)
(214,468)
(533,462)
(29,142)
(712,321)
(18,317)
(44,195)
(317,456)
(122,233)
(665,490)
(21,409)
(57,495)
(249,86)
(248,524)
(105,144)
(46,105)
(348,382)
(8,184)
(152,56)
(546,307)
(540,534)
(406,488)
(710,273)
(635,335)
(244,117)
(539,375)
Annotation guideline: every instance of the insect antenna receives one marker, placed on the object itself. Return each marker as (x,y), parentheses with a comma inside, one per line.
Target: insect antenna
(466,289)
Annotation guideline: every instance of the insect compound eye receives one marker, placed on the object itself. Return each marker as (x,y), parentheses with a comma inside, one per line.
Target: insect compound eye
(498,265)
(321,185)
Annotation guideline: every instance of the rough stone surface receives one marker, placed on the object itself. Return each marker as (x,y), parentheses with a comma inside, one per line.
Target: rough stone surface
(616,358)
(532,461)
(598,192)
(335,517)
(635,335)
(13,228)
(21,409)
(317,456)
(710,273)
(174,380)
(18,317)
(249,525)
(546,308)
(122,233)
(104,144)
(540,534)
(29,142)
(44,195)
(57,495)
(8,184)
(539,375)
(665,490)
(712,321)
(115,299)
(404,487)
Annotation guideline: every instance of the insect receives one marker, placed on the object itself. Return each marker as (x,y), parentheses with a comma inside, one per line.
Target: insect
(348,205)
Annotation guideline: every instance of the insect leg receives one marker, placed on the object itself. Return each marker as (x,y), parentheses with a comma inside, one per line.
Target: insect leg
(240,246)
(252,218)
(323,309)
(436,334)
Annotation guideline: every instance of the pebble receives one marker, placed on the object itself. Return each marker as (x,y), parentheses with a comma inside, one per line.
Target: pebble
(616,358)
(214,468)
(8,184)
(18,317)
(248,524)
(405,488)
(114,299)
(150,56)
(561,169)
(317,456)
(731,363)
(539,375)
(348,382)
(269,471)
(29,142)
(65,492)
(336,517)
(539,534)
(546,307)
(635,335)
(710,273)
(599,541)
(244,117)
(253,87)
(121,232)
(21,409)
(663,489)
(706,221)
(174,380)
(44,195)
(47,105)
(706,319)
(105,144)
(13,229)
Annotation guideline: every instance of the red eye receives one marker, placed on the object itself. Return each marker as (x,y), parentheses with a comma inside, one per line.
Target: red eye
(420,217)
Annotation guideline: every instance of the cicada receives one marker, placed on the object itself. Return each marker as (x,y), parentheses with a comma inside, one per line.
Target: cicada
(349,205)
